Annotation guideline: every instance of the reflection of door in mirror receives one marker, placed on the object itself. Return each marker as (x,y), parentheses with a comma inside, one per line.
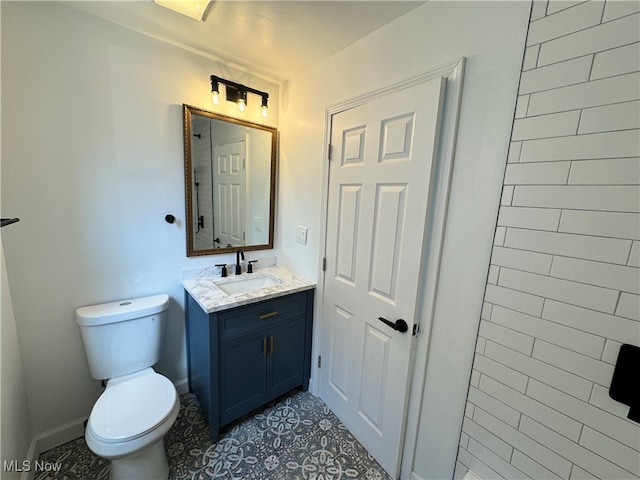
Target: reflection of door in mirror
(219,186)
(229,192)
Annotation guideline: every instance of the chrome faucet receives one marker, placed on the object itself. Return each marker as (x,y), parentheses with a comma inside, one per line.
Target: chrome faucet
(239,253)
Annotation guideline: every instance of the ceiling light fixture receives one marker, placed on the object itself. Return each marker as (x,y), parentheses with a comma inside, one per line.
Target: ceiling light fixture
(237,93)
(196,9)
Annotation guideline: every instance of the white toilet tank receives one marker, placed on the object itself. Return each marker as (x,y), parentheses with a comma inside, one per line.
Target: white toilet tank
(123,337)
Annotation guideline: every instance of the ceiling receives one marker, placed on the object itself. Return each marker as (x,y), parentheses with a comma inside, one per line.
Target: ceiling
(273,39)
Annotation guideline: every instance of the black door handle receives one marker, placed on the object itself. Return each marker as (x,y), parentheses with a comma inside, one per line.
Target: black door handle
(400,325)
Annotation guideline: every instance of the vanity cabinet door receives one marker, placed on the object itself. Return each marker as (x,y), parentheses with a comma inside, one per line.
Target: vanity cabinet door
(285,361)
(242,375)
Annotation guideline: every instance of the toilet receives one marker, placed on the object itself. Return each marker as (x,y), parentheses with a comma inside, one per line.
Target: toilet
(129,420)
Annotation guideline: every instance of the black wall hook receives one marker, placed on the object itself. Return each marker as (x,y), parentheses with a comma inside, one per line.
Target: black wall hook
(169,218)
(9,221)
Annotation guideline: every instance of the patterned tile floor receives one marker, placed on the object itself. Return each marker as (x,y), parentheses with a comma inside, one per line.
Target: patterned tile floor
(294,438)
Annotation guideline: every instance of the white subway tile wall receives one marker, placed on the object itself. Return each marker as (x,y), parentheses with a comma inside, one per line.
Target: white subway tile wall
(563,290)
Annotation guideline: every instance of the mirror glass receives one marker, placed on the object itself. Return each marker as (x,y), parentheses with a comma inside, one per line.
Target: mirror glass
(230,168)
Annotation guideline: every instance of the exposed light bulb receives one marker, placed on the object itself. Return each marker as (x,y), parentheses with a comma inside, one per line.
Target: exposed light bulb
(241,104)
(265,111)
(215,97)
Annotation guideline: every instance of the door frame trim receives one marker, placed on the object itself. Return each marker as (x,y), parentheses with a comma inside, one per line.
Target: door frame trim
(453,74)
(433,255)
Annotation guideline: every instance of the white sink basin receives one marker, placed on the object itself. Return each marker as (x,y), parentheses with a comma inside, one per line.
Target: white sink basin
(247,284)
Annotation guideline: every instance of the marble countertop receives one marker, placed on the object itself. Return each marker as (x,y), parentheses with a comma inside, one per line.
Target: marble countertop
(211,298)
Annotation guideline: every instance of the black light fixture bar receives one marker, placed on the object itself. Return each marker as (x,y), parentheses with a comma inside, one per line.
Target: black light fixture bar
(238,92)
(237,86)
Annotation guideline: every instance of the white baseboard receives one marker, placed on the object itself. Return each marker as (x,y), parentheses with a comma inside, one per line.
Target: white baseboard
(49,439)
(32,456)
(182,386)
(470,476)
(59,435)
(313,387)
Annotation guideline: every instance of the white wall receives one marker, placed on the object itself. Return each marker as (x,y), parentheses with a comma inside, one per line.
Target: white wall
(92,161)
(491,35)
(15,423)
(563,292)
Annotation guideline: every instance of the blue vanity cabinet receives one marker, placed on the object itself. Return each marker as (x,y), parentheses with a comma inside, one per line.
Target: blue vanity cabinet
(241,358)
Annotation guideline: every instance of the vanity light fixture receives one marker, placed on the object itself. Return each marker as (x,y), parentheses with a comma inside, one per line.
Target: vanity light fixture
(237,92)
(196,9)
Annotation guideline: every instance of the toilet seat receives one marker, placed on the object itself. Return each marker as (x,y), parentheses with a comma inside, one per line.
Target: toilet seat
(132,406)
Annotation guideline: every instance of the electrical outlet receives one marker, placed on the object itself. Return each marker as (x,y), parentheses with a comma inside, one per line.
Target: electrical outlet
(301,234)
(257,224)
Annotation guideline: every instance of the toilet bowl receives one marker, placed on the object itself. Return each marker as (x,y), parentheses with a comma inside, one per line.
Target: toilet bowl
(138,406)
(128,423)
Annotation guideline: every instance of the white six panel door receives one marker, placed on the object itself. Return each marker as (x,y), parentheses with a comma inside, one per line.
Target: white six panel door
(229,193)
(379,180)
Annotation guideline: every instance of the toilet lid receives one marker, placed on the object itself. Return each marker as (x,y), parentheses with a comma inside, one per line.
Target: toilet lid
(130,408)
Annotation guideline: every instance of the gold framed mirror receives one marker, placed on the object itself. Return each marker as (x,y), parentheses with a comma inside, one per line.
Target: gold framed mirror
(230,172)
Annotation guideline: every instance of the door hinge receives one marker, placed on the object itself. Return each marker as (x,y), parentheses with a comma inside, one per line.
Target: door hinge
(416,329)
(319,361)
(324,264)
(330,152)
